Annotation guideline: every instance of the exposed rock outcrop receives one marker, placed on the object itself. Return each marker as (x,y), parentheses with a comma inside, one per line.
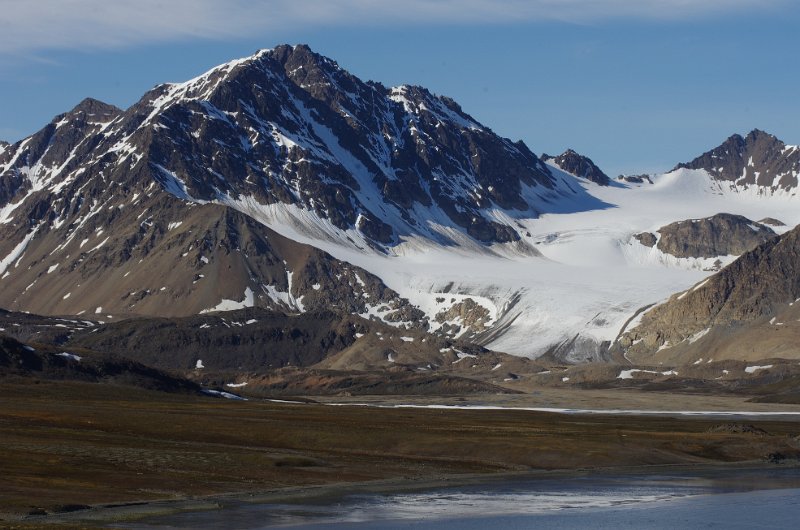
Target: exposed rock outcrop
(720,235)
(647,239)
(579,165)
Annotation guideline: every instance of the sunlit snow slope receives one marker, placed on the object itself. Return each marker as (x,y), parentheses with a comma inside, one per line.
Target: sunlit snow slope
(591,276)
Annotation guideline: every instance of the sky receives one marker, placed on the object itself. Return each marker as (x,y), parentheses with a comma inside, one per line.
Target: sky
(637,85)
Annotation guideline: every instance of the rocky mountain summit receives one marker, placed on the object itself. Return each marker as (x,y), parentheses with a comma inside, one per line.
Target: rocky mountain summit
(758,159)
(720,235)
(288,131)
(578,165)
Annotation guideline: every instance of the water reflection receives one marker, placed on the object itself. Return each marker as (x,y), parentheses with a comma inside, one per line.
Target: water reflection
(505,504)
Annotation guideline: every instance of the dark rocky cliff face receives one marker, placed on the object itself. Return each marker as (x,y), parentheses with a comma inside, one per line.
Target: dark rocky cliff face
(580,166)
(647,239)
(720,235)
(758,159)
(241,340)
(288,126)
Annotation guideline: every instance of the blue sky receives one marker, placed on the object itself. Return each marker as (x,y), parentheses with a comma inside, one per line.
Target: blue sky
(637,85)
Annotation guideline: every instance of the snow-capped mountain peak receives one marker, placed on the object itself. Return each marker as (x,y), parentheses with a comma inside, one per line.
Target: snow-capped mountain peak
(578,165)
(393,162)
(757,161)
(284,181)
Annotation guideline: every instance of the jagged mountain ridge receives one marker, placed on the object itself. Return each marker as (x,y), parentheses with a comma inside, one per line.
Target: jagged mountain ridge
(289,127)
(102,236)
(758,160)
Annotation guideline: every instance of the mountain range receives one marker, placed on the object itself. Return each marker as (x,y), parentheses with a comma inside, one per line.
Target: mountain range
(283,182)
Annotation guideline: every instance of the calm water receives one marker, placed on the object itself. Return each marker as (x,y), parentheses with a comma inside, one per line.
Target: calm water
(740,499)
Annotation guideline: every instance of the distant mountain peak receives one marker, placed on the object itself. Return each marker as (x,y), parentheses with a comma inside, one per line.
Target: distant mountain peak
(95,107)
(757,134)
(580,166)
(757,159)
(298,53)
(751,139)
(304,66)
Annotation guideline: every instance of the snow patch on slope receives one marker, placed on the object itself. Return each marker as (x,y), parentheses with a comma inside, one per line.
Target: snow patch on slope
(231,305)
(17,252)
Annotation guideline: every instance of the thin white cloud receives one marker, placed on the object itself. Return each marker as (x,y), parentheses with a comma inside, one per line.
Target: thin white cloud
(27,25)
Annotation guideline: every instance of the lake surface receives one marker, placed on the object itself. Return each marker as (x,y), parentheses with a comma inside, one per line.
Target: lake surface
(766,498)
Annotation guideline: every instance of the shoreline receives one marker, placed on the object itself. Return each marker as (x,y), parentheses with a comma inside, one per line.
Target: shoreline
(713,414)
(623,402)
(131,512)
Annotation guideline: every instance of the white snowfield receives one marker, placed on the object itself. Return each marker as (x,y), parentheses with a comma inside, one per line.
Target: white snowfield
(579,273)
(70,356)
(628,374)
(754,369)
